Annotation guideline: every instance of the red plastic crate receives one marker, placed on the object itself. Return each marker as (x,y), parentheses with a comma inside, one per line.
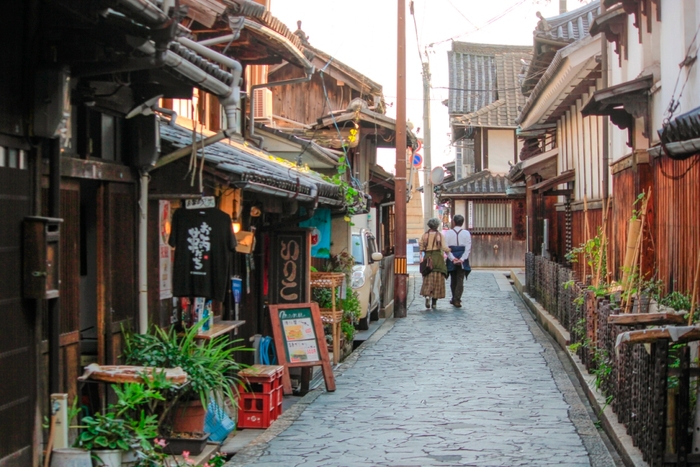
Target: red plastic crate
(261,378)
(257,410)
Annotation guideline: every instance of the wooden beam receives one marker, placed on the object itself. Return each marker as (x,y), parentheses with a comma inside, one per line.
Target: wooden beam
(647,336)
(659,319)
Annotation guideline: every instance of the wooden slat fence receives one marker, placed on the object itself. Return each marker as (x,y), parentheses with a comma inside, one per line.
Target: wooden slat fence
(637,380)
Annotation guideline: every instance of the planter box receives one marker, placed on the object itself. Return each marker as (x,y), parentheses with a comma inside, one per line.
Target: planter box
(192,442)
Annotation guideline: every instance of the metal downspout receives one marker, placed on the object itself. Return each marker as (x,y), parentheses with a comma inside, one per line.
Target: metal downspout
(143,254)
(251,134)
(230,99)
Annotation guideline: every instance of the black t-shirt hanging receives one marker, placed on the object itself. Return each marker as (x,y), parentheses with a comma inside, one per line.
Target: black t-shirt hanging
(203,241)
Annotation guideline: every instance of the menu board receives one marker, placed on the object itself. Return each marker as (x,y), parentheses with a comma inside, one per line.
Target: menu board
(299,336)
(299,340)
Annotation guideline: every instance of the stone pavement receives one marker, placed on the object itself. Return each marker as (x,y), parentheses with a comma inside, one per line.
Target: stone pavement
(476,386)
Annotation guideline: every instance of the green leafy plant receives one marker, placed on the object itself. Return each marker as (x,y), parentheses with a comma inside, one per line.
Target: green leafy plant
(348,330)
(603,367)
(105,431)
(676,300)
(636,206)
(209,363)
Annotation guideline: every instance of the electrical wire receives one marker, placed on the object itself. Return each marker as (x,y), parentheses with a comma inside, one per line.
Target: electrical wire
(335,124)
(488,23)
(687,61)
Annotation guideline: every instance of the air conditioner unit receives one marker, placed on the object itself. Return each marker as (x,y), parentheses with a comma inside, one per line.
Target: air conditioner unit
(262,109)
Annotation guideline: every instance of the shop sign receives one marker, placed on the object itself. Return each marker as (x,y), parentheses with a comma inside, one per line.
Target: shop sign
(289,278)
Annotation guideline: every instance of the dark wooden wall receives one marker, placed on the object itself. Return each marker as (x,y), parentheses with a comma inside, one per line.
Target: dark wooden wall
(306,102)
(676,206)
(585,226)
(18,330)
(627,185)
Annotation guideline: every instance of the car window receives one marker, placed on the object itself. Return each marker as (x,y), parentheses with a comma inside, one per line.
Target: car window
(357,251)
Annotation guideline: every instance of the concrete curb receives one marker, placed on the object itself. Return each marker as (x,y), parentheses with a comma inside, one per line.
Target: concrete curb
(616,431)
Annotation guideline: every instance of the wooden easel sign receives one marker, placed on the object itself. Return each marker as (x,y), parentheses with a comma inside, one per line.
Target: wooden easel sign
(299,340)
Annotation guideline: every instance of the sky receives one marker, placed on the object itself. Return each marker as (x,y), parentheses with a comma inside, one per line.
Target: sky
(362,34)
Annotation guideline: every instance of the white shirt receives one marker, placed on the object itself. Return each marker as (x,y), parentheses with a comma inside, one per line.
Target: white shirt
(465,238)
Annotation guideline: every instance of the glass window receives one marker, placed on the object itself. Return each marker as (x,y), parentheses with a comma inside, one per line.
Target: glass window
(357,251)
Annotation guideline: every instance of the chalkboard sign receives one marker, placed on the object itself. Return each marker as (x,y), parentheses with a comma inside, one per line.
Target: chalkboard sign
(300,340)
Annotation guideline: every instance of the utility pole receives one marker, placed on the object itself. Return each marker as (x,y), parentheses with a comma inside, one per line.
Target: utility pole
(428,197)
(400,267)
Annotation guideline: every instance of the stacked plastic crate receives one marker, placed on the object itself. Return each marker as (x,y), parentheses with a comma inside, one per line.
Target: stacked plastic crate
(260,396)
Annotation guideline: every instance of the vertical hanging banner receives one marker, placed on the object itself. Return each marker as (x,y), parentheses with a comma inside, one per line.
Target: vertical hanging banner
(165,266)
(290,262)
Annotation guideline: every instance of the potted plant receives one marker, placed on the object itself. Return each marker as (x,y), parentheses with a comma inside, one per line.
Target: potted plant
(123,427)
(209,363)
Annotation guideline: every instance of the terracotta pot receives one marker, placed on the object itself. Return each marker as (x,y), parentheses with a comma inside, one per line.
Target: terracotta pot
(188,417)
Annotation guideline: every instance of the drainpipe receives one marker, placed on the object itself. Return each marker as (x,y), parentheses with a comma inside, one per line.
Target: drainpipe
(251,134)
(143,254)
(606,134)
(229,98)
(230,103)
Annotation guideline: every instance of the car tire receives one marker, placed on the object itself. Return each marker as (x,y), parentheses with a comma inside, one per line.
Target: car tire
(374,314)
(363,324)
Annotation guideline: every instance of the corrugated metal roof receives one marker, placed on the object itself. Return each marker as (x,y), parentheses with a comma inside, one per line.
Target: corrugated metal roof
(479,183)
(484,83)
(254,165)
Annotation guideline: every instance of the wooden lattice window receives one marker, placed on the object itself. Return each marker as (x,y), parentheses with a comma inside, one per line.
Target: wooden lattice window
(494,217)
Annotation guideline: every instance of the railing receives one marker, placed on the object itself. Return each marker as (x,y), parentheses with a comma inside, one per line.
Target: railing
(636,379)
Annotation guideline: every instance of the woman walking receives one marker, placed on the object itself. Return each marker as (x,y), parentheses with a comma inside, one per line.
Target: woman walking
(432,246)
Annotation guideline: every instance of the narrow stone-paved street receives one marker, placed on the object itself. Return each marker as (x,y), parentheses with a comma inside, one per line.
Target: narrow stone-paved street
(477,386)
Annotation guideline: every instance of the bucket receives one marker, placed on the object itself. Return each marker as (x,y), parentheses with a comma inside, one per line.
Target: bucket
(107,458)
(70,457)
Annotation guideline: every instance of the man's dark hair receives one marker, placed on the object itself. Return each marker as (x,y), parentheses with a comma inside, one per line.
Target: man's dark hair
(458,220)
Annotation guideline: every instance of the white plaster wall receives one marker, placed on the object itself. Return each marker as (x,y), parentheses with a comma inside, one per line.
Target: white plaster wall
(581,149)
(680,22)
(501,150)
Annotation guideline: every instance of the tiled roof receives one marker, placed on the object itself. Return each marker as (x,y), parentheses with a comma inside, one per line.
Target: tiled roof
(552,34)
(570,26)
(484,83)
(252,165)
(479,183)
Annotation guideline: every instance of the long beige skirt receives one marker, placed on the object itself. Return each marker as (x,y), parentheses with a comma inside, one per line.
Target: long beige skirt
(433,285)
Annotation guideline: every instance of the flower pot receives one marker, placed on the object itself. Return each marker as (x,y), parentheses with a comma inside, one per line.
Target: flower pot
(188,417)
(194,443)
(129,458)
(107,457)
(70,457)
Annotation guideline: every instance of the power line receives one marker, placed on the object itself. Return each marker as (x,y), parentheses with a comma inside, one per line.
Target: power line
(489,22)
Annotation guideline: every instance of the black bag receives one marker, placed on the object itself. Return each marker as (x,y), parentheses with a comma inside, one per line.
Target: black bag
(426,265)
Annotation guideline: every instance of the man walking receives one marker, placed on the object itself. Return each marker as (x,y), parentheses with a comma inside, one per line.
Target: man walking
(459,241)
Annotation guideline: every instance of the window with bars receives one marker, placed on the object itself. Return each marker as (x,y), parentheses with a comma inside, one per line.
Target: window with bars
(490,217)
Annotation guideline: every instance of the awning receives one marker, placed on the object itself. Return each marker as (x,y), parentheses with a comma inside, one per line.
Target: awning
(365,118)
(294,147)
(544,164)
(546,185)
(622,102)
(258,171)
(680,138)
